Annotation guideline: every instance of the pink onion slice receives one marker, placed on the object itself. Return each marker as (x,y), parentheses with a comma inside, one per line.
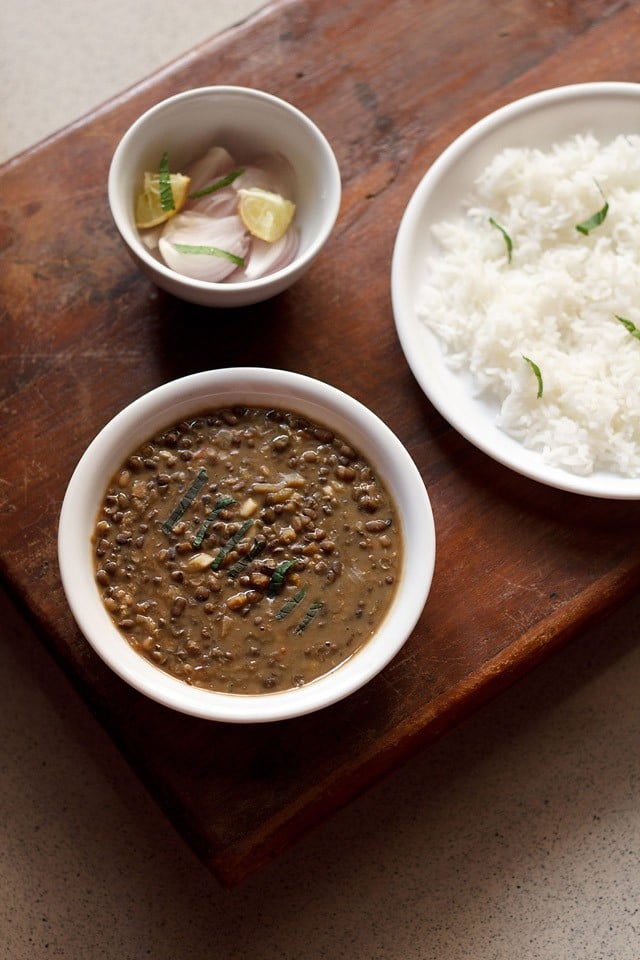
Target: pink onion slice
(264,258)
(194,229)
(220,203)
(211,167)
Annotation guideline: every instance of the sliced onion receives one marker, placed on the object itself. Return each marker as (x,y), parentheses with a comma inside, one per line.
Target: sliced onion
(151,237)
(264,258)
(220,203)
(225,233)
(216,162)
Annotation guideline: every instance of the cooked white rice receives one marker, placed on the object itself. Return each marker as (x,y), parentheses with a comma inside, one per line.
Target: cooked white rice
(556,302)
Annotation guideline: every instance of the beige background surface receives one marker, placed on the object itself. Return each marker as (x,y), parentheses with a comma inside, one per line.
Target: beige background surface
(516,836)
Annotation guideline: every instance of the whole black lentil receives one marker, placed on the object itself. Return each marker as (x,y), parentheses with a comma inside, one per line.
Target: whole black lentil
(202,600)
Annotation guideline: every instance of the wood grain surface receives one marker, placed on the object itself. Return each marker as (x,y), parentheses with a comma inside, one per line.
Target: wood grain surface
(520,567)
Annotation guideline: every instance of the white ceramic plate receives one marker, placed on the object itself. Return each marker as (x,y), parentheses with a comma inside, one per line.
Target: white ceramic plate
(604,109)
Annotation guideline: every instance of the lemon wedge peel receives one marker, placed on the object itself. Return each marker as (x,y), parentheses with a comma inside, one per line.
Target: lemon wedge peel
(265,215)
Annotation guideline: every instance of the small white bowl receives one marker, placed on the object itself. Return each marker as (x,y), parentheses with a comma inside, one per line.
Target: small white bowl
(247,123)
(540,120)
(253,387)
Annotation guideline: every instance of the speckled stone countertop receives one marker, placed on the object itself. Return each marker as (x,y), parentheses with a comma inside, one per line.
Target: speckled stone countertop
(515,836)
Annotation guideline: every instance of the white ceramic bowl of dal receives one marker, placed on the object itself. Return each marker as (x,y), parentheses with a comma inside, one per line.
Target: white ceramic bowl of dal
(605,110)
(248,123)
(178,400)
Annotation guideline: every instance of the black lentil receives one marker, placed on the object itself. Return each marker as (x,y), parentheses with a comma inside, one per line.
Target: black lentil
(202,607)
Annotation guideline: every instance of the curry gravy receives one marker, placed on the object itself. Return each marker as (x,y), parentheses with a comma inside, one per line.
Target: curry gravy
(247,550)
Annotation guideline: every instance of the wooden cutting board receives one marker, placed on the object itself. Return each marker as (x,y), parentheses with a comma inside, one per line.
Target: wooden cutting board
(520,567)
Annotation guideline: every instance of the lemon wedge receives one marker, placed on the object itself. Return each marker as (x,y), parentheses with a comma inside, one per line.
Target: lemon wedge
(149,208)
(265,215)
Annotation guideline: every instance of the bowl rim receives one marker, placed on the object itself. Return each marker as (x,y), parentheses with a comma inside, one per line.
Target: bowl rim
(132,239)
(258,386)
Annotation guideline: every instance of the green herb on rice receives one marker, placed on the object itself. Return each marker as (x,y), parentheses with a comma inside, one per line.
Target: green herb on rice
(507,239)
(538,375)
(596,219)
(631,327)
